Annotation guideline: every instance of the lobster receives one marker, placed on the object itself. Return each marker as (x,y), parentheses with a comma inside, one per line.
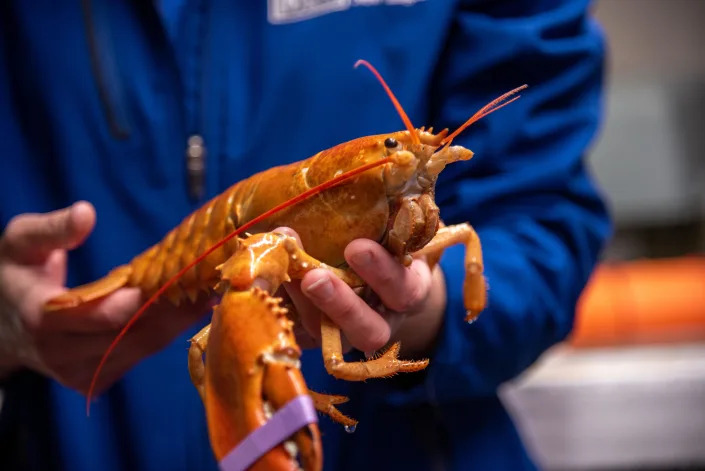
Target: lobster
(379,187)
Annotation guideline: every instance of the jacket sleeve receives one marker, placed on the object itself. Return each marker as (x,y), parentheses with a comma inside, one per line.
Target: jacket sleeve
(526,191)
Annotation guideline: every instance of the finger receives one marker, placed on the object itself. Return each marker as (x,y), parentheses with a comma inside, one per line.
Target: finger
(395,320)
(310,318)
(290,232)
(363,326)
(400,288)
(31,237)
(309,314)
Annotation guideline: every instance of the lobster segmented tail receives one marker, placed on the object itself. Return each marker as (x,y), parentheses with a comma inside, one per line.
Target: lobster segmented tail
(113,281)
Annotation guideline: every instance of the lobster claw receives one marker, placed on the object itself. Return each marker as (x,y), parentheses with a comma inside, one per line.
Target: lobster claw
(251,372)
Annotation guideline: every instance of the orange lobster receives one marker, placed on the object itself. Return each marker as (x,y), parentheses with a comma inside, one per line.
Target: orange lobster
(377,187)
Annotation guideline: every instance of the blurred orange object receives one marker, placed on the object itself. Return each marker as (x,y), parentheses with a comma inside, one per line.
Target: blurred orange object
(646,301)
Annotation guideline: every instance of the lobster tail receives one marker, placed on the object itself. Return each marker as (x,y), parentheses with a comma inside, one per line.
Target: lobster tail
(116,279)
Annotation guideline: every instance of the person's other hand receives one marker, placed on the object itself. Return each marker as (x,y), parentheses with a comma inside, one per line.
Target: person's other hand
(408,306)
(67,345)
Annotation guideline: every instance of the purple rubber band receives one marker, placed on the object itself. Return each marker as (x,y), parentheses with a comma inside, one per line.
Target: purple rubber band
(297,413)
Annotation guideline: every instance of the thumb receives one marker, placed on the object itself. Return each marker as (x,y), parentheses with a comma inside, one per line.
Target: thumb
(30,237)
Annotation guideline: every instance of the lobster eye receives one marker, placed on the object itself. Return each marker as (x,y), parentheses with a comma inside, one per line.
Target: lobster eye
(390,142)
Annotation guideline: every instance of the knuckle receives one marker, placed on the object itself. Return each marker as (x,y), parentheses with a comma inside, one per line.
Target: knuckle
(56,226)
(386,279)
(289,232)
(348,310)
(411,299)
(403,304)
(13,230)
(417,294)
(33,228)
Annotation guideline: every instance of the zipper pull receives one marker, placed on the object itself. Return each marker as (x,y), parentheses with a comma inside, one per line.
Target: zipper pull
(196,166)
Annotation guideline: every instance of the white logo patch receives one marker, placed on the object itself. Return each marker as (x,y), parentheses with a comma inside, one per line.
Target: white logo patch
(289,11)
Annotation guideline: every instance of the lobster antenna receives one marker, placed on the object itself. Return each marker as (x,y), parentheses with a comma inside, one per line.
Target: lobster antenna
(402,114)
(286,204)
(490,107)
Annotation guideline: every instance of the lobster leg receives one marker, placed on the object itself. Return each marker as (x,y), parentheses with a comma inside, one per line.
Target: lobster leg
(325,403)
(196,367)
(474,287)
(385,365)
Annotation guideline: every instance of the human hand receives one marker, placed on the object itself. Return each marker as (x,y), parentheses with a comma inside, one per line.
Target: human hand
(67,345)
(409,305)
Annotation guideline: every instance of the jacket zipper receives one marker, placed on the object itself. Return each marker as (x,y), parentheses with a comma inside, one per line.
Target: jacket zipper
(101,58)
(195,145)
(196,166)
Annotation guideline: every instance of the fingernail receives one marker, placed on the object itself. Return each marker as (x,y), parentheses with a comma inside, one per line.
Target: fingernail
(362,259)
(321,289)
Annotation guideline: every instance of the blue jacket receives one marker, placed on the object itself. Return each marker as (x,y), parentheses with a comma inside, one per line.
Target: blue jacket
(98,100)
